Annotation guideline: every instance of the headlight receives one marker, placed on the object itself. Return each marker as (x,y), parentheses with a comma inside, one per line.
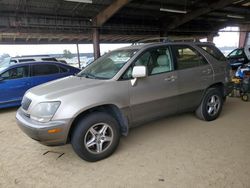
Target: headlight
(44,111)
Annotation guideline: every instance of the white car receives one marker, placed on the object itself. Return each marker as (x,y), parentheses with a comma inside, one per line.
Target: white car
(22,59)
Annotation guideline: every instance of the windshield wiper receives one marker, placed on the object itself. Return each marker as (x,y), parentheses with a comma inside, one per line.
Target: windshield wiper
(87,75)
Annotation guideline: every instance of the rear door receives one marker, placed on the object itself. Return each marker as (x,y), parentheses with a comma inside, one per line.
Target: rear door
(16,81)
(195,74)
(44,72)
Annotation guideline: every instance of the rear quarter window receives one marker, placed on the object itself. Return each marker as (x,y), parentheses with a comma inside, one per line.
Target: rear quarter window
(63,69)
(213,51)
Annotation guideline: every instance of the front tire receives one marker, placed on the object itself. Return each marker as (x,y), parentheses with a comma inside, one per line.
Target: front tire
(96,136)
(211,105)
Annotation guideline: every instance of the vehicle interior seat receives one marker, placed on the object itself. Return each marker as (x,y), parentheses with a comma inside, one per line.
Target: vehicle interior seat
(163,62)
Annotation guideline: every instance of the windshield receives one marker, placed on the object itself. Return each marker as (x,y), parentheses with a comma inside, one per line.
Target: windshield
(236,52)
(107,66)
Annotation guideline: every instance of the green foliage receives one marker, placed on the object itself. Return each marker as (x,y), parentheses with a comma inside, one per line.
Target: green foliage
(67,54)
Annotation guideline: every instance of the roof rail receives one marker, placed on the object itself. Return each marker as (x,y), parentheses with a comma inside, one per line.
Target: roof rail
(34,56)
(166,39)
(151,40)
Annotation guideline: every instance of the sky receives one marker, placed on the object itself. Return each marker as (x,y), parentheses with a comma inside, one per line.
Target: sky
(18,50)
(225,38)
(230,37)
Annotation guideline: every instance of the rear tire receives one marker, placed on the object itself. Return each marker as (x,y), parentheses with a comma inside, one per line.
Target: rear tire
(211,105)
(96,136)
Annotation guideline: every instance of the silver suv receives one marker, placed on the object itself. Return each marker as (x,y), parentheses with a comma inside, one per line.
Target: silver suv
(123,89)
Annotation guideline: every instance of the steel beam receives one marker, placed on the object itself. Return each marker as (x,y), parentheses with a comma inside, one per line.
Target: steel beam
(198,12)
(107,13)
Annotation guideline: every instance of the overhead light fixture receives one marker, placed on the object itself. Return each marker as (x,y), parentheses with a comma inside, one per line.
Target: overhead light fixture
(235,16)
(173,10)
(238,1)
(246,4)
(81,1)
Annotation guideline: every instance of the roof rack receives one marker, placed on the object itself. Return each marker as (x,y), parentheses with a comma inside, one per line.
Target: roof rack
(151,40)
(34,56)
(166,39)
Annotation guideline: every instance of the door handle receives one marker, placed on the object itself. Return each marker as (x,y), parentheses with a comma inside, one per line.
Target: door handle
(171,78)
(207,71)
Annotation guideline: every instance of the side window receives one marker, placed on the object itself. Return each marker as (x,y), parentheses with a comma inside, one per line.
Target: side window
(160,61)
(157,60)
(63,69)
(44,69)
(15,73)
(187,57)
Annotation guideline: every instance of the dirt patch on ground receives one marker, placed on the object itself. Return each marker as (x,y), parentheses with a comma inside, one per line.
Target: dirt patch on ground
(179,151)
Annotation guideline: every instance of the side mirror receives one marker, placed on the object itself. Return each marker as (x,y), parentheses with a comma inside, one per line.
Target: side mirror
(138,72)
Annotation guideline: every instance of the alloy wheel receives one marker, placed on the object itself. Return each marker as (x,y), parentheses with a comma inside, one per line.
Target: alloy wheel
(213,105)
(98,138)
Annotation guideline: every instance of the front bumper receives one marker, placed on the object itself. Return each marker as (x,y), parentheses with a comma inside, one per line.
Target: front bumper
(39,131)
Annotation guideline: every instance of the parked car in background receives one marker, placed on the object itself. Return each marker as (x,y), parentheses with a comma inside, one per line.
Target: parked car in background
(22,59)
(122,89)
(16,79)
(239,57)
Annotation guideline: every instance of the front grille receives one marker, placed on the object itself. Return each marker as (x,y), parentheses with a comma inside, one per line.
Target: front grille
(26,103)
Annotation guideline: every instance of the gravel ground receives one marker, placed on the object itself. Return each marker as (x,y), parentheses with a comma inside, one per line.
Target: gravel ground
(179,151)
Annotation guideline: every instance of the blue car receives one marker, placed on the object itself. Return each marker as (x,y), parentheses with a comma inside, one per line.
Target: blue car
(16,79)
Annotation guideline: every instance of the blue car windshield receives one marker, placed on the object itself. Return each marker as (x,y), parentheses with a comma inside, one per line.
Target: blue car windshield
(107,66)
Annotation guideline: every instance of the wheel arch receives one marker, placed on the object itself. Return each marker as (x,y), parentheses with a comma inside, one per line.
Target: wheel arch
(219,85)
(110,109)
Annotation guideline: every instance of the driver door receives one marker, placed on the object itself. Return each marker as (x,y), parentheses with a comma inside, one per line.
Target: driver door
(15,83)
(155,95)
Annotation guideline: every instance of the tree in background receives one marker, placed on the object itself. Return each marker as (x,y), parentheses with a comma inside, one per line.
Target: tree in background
(67,54)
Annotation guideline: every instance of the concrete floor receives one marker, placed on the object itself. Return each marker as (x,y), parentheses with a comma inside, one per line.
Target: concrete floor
(179,151)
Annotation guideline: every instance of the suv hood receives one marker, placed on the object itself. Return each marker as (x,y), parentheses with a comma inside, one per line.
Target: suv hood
(64,86)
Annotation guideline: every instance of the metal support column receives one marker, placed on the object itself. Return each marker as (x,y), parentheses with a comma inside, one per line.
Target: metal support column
(78,56)
(210,38)
(96,43)
(243,35)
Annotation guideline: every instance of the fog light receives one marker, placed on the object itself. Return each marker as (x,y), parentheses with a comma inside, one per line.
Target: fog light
(52,131)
